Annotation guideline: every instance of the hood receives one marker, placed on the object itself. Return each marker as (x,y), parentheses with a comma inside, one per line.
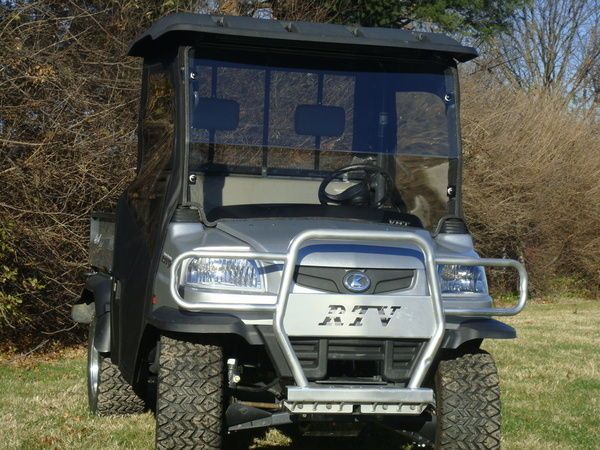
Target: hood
(274,236)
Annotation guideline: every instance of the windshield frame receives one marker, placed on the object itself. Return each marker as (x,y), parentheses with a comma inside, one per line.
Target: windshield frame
(306,60)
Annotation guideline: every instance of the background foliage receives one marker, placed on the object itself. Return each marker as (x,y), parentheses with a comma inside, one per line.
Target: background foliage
(68,107)
(480,18)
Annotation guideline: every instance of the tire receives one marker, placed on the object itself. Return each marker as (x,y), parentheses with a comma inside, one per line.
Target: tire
(468,403)
(191,383)
(108,392)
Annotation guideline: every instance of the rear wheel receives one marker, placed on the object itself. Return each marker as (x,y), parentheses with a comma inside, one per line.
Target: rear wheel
(467,403)
(189,409)
(108,392)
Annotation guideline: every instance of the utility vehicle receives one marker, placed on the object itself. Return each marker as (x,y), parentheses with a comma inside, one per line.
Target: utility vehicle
(292,249)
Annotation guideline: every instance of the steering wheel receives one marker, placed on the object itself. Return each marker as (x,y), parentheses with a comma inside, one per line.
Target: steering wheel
(361,193)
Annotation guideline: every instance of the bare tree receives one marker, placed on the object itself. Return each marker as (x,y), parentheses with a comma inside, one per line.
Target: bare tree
(554,44)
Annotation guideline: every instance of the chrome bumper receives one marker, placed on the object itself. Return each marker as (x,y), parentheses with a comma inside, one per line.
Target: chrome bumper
(307,397)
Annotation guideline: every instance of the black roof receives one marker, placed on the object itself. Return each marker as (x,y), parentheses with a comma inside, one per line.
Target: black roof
(186,28)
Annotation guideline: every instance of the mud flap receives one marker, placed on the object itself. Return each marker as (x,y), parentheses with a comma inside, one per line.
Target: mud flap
(95,301)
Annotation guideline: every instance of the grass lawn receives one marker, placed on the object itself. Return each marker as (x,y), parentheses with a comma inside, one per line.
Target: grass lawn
(550,380)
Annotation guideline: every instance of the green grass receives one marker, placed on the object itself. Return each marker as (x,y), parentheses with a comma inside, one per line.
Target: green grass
(550,380)
(550,377)
(43,404)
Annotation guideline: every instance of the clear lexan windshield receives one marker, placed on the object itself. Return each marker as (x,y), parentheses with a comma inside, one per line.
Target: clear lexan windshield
(248,120)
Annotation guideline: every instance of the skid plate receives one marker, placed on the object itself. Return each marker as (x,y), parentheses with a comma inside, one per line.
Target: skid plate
(369,400)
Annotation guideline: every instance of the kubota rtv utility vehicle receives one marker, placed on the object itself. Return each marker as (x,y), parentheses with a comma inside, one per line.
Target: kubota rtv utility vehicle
(292,248)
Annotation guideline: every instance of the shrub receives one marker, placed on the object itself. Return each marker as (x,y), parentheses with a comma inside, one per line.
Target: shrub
(67,143)
(14,287)
(532,182)
(68,108)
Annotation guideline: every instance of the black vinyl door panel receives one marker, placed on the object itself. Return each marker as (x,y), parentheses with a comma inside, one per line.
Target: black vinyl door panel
(132,271)
(141,217)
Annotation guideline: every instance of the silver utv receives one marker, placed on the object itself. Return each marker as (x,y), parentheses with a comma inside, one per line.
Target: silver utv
(292,250)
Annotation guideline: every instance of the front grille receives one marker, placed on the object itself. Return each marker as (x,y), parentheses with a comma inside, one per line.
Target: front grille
(309,352)
(330,279)
(374,359)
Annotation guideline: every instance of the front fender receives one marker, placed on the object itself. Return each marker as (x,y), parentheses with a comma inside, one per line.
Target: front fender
(178,321)
(461,330)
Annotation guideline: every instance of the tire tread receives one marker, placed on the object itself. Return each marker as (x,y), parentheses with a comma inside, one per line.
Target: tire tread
(468,399)
(189,407)
(115,395)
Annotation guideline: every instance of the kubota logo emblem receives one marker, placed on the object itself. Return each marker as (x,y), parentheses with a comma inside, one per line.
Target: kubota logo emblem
(337,315)
(356,281)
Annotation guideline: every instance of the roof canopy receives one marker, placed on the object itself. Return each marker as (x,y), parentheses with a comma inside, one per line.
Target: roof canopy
(194,29)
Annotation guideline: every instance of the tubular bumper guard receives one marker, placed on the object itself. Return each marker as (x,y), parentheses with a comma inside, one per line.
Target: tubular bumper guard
(307,397)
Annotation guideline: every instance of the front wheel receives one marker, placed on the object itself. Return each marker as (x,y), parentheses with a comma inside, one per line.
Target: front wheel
(189,408)
(467,403)
(108,392)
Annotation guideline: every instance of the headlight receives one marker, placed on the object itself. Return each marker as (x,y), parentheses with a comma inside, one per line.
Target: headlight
(455,279)
(222,273)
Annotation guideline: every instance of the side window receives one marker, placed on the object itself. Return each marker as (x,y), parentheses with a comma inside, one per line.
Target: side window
(158,123)
(148,190)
